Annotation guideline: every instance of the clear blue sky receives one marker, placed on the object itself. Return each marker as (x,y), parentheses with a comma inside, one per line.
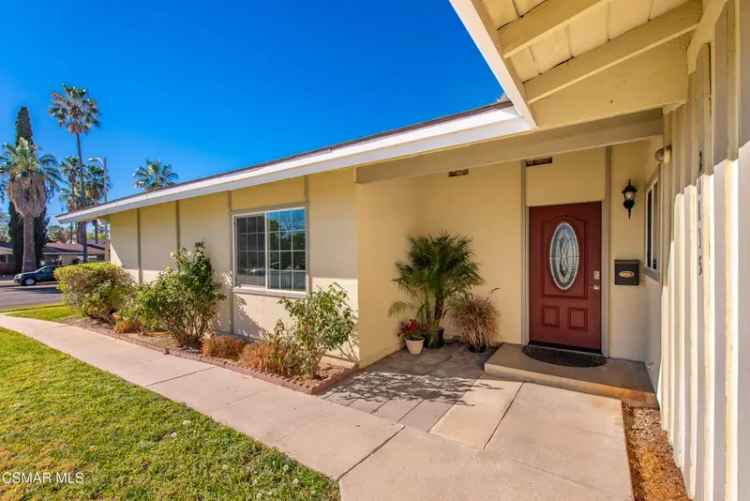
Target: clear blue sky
(209,87)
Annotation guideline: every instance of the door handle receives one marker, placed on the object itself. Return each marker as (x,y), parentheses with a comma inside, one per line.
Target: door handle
(595,287)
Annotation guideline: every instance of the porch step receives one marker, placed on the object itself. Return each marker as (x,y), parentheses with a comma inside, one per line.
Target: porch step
(622,379)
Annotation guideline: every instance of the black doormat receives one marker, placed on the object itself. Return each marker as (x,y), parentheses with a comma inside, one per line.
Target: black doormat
(562,357)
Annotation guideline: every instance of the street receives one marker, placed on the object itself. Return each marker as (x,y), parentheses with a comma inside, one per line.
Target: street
(16,295)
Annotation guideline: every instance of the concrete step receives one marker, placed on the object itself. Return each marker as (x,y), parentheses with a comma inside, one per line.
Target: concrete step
(622,379)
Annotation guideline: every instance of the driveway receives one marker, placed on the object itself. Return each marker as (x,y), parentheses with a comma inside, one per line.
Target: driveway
(12,294)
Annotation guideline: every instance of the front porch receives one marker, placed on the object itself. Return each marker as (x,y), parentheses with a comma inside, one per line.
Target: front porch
(622,379)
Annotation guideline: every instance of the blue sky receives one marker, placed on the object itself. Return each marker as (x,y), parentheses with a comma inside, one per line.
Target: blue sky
(213,86)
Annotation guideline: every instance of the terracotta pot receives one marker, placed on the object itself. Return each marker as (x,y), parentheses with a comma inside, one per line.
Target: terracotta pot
(415,346)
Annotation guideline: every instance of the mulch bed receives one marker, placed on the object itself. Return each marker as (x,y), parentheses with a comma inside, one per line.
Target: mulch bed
(653,471)
(328,374)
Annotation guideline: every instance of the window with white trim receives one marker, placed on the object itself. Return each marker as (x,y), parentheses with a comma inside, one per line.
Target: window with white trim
(271,250)
(652,227)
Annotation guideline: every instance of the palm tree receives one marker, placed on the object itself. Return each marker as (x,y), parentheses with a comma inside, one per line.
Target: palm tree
(154,175)
(70,194)
(437,270)
(29,180)
(77,112)
(97,185)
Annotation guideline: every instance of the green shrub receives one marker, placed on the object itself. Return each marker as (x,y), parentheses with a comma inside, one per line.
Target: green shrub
(321,321)
(97,289)
(184,298)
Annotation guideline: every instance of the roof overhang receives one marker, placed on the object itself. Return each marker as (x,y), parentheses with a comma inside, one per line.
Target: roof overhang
(572,61)
(462,129)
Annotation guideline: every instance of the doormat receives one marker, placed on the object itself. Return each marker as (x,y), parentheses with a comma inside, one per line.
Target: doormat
(563,357)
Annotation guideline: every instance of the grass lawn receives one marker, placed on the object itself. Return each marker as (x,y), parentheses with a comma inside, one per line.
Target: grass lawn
(52,312)
(60,415)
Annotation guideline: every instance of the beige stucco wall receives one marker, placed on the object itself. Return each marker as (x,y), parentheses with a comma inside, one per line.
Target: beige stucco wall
(485,206)
(386,216)
(332,243)
(570,178)
(158,238)
(206,219)
(124,241)
(628,318)
(255,312)
(358,232)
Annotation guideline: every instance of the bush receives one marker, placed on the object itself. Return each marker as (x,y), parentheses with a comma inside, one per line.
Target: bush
(183,299)
(275,354)
(97,289)
(476,319)
(127,325)
(438,269)
(223,347)
(321,321)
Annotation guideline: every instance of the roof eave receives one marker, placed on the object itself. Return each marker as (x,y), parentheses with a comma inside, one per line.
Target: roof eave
(462,129)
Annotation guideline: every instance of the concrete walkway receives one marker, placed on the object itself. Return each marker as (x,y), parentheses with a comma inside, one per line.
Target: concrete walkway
(550,444)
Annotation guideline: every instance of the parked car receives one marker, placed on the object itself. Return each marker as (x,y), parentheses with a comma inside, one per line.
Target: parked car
(44,274)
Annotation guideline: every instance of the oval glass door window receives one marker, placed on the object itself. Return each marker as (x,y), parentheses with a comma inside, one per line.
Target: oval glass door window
(564,256)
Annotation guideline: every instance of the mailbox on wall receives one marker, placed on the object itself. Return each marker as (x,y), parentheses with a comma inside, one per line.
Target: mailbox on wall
(627,272)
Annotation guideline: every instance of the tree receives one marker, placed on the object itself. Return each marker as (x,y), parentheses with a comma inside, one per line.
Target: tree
(76,112)
(4,230)
(154,175)
(15,234)
(57,233)
(28,179)
(15,220)
(97,185)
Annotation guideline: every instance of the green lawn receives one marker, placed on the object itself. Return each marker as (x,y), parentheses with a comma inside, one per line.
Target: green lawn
(52,312)
(60,415)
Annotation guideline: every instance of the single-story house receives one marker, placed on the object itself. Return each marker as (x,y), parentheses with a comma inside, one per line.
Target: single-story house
(604,95)
(7,261)
(64,253)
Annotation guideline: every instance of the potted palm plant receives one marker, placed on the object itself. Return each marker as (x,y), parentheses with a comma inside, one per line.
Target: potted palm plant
(437,269)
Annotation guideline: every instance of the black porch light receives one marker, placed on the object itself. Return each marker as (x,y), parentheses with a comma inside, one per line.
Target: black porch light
(629,194)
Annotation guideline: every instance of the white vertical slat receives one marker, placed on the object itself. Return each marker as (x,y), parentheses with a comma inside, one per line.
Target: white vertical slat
(672,340)
(743,299)
(665,382)
(732,315)
(720,334)
(706,319)
(678,419)
(690,236)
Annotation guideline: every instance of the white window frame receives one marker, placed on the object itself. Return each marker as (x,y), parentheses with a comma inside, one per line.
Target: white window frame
(265,289)
(654,240)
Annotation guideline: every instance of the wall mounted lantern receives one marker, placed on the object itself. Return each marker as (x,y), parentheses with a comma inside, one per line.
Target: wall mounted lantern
(629,194)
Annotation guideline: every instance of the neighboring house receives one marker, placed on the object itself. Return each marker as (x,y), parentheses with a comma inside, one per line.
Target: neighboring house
(63,253)
(603,94)
(7,261)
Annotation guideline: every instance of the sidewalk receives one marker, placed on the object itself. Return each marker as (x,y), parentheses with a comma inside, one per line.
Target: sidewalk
(543,449)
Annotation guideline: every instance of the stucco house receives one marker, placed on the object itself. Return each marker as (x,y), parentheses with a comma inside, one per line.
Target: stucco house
(603,94)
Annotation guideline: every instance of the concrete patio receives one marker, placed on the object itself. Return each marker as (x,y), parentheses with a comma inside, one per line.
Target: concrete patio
(544,443)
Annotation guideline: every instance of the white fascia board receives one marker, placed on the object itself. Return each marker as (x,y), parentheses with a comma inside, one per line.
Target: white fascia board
(449,133)
(483,39)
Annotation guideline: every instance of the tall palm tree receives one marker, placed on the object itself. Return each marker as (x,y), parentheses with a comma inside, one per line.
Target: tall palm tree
(70,193)
(97,185)
(154,175)
(29,180)
(76,112)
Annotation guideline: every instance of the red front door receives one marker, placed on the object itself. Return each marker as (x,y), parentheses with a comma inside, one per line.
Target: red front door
(565,252)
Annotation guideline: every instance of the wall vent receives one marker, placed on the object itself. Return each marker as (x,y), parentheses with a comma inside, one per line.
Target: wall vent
(535,162)
(457,173)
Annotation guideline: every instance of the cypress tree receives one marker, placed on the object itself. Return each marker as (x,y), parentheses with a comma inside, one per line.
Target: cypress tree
(15,224)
